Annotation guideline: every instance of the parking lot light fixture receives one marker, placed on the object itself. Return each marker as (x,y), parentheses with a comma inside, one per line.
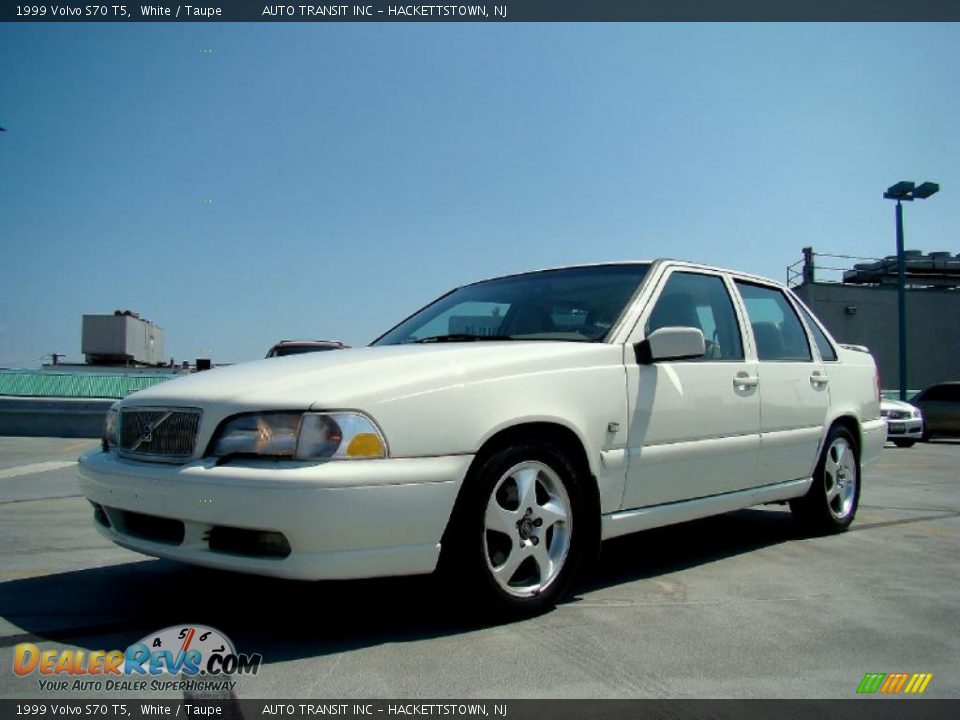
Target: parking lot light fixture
(925,190)
(900,191)
(909,191)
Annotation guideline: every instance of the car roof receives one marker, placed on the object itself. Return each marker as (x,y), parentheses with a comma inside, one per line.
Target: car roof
(654,263)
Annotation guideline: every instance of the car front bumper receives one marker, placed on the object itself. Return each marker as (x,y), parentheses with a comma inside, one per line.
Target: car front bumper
(350,519)
(908,429)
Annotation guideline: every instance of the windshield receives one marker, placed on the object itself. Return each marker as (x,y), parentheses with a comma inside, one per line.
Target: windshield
(575,304)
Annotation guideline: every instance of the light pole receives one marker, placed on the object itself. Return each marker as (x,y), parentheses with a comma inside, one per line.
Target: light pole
(905,190)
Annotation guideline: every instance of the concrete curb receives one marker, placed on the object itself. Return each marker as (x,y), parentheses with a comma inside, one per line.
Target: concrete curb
(53,417)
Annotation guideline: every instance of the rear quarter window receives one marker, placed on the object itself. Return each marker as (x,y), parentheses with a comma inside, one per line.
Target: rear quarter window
(827,351)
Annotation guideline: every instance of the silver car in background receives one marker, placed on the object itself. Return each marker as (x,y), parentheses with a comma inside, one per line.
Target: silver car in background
(904,422)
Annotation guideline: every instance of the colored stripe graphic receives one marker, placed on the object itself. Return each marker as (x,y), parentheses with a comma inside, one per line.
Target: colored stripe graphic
(918,683)
(871,682)
(893,683)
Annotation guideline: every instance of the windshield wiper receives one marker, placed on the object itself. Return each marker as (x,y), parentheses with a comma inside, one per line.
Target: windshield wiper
(460,337)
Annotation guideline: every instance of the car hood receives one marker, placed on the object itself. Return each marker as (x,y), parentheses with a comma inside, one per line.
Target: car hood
(896,405)
(359,378)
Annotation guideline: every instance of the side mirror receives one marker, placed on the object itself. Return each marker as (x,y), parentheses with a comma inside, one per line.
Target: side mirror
(670,343)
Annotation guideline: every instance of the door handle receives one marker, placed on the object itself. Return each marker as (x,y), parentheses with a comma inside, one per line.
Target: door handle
(818,379)
(743,381)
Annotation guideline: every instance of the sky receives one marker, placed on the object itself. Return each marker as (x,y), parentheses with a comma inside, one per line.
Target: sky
(241,183)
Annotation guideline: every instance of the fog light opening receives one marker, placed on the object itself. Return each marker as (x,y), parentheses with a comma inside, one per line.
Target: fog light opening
(249,543)
(99,514)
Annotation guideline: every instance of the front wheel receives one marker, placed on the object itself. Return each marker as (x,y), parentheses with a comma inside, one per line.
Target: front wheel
(831,503)
(517,537)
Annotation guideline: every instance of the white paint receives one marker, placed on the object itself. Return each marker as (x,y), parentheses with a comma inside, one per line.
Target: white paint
(690,437)
(34,469)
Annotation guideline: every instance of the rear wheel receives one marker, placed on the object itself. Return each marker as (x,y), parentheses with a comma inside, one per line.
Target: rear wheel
(831,503)
(518,534)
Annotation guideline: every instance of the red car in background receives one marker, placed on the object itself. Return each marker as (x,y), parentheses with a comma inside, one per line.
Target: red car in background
(297,347)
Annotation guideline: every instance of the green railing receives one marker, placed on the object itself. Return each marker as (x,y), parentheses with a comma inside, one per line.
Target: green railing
(29,383)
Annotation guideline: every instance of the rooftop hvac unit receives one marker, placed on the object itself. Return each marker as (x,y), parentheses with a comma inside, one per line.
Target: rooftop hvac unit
(123,338)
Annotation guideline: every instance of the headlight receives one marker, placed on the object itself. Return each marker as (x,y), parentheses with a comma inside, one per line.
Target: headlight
(302,436)
(916,414)
(259,434)
(111,428)
(339,436)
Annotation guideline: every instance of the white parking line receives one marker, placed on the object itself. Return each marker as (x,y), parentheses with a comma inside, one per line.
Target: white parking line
(34,468)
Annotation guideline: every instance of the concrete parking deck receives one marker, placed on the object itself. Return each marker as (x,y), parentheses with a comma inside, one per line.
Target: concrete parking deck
(735,606)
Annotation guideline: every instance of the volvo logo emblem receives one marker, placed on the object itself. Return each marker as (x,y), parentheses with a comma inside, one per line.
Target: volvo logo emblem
(146,433)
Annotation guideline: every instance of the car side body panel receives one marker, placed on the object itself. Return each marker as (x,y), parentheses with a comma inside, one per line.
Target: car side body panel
(664,442)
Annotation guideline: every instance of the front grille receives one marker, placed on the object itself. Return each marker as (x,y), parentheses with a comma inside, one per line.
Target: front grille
(897,415)
(159,434)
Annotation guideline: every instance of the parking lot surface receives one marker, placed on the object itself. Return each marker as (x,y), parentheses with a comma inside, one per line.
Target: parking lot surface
(737,606)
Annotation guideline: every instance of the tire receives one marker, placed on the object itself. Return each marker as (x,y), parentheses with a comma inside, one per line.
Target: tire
(831,503)
(519,532)
(904,443)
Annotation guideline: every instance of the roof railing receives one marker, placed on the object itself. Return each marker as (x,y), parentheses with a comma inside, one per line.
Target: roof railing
(937,269)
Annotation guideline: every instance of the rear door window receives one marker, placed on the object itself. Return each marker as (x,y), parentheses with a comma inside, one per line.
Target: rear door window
(777,330)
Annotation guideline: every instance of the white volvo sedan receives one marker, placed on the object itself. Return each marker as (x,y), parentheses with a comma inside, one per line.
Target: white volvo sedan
(499,433)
